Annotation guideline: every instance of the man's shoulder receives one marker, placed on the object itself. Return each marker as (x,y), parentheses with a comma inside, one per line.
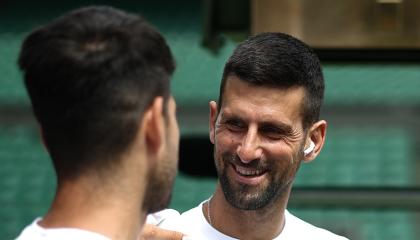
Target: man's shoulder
(36,232)
(194,217)
(198,227)
(191,222)
(194,212)
(299,229)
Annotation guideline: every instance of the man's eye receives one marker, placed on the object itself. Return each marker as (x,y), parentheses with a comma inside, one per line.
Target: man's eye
(234,125)
(272,133)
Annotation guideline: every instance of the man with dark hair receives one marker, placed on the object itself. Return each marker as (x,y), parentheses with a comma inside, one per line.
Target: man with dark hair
(265,124)
(98,80)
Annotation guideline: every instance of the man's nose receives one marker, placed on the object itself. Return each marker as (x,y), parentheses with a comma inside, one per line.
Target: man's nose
(249,149)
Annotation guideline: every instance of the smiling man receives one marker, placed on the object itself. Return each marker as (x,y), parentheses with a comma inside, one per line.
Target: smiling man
(264,126)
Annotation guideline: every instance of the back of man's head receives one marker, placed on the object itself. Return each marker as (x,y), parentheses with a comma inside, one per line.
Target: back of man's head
(279,60)
(90,75)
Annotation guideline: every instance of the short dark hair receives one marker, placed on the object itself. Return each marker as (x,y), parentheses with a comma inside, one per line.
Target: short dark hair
(90,75)
(279,60)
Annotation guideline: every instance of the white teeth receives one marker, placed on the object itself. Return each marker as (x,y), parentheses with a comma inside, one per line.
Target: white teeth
(247,172)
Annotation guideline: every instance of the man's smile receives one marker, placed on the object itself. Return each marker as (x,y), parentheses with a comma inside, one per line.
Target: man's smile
(248,175)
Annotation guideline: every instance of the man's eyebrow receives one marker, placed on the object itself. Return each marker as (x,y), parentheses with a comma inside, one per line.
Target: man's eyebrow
(228,115)
(285,128)
(278,125)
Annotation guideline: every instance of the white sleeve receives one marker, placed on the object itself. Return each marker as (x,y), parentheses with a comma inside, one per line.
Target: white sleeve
(168,219)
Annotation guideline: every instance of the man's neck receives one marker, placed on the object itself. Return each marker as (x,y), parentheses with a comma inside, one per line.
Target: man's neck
(265,223)
(84,206)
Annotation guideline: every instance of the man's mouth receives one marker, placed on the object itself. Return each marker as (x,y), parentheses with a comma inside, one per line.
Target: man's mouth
(248,176)
(247,172)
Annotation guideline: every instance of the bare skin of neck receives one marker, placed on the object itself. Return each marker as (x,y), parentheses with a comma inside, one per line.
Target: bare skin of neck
(264,223)
(113,210)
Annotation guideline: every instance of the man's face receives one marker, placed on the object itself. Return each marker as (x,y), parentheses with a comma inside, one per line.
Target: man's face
(161,180)
(258,142)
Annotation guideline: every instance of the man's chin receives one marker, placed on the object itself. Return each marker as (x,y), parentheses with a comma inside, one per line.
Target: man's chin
(246,203)
(245,197)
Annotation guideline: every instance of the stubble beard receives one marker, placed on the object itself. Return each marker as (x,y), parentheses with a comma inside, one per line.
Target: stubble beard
(245,197)
(159,189)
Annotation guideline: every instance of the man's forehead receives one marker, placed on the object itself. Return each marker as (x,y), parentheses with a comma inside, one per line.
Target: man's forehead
(239,90)
(263,102)
(235,84)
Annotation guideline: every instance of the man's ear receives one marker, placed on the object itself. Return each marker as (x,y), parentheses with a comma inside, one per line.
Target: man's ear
(212,119)
(317,135)
(153,127)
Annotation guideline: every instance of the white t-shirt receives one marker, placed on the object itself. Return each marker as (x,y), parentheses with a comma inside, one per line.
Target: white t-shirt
(36,232)
(195,225)
(167,219)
